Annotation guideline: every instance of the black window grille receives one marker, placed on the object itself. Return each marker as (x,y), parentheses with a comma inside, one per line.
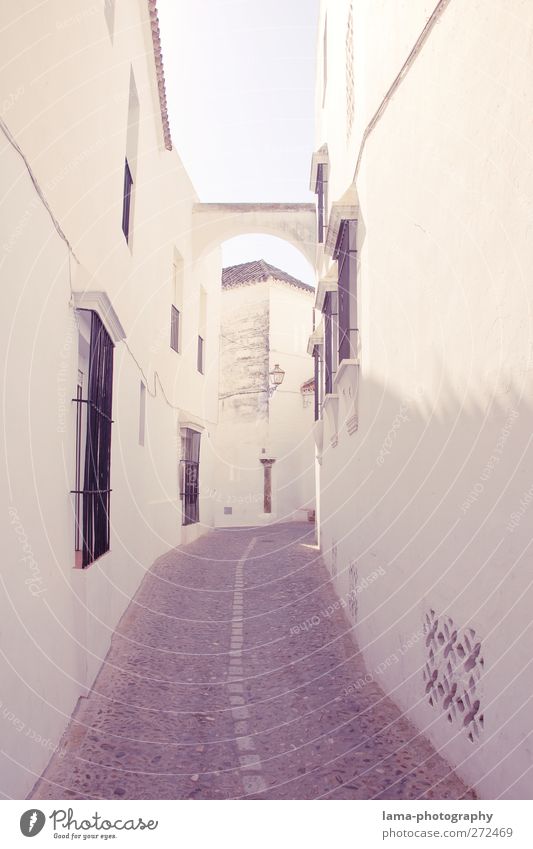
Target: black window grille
(316,357)
(189,473)
(126,200)
(175,328)
(346,257)
(321,203)
(200,355)
(93,499)
(330,342)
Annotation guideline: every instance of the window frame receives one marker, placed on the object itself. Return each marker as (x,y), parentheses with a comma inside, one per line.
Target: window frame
(330,340)
(346,256)
(190,475)
(175,328)
(200,358)
(320,191)
(126,201)
(93,498)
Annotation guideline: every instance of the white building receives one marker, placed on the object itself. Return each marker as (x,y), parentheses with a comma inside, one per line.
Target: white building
(264,438)
(104,300)
(425,186)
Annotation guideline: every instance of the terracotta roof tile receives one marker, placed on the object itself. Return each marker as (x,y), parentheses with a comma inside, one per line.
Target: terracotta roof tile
(254,272)
(158,56)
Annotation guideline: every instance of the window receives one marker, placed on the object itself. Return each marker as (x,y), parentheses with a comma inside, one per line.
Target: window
(346,257)
(189,474)
(330,340)
(175,328)
(200,363)
(130,162)
(142,413)
(126,201)
(202,326)
(93,444)
(321,192)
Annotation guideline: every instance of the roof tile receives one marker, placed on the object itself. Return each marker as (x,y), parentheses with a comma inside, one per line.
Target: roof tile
(254,272)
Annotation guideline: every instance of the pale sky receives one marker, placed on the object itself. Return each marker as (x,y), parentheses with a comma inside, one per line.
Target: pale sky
(240,80)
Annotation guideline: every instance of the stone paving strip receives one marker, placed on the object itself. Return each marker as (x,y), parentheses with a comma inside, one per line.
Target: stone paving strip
(206,693)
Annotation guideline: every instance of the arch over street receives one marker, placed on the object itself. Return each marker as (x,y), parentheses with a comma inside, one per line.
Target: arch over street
(214,223)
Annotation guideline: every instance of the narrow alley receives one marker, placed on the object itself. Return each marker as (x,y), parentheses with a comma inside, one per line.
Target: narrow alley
(211,691)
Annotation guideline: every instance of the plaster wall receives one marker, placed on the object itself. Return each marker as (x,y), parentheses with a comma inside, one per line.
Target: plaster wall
(430,496)
(62,146)
(263,323)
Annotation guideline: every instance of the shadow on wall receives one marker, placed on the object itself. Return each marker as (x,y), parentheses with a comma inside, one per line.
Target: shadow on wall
(427,516)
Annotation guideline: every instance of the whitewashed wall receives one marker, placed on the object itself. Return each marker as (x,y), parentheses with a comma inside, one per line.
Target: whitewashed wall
(263,323)
(434,488)
(66,110)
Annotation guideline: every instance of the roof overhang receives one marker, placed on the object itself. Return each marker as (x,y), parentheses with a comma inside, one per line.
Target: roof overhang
(346,209)
(99,302)
(326,284)
(320,157)
(316,338)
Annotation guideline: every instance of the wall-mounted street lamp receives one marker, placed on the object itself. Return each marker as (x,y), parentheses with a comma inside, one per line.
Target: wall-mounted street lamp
(276,379)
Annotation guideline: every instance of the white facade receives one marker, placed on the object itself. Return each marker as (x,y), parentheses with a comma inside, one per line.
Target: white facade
(266,317)
(425,439)
(92,96)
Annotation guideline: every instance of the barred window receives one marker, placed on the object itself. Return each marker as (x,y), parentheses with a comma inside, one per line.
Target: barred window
(93,443)
(346,257)
(189,475)
(330,340)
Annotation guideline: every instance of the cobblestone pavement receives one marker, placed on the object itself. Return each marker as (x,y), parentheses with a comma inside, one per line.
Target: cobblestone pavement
(205,692)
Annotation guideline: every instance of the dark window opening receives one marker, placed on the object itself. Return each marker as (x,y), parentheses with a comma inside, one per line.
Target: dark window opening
(175,328)
(92,502)
(330,342)
(126,201)
(346,256)
(200,363)
(189,472)
(321,204)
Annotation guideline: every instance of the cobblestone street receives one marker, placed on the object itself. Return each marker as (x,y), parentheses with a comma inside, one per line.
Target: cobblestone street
(205,692)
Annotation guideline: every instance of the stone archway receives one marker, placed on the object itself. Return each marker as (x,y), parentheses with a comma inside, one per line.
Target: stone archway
(214,223)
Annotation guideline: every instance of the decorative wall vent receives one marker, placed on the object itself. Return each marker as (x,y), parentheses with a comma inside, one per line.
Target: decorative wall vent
(352,593)
(452,673)
(350,77)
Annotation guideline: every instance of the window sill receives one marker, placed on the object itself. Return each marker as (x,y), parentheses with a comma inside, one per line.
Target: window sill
(78,557)
(346,384)
(346,370)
